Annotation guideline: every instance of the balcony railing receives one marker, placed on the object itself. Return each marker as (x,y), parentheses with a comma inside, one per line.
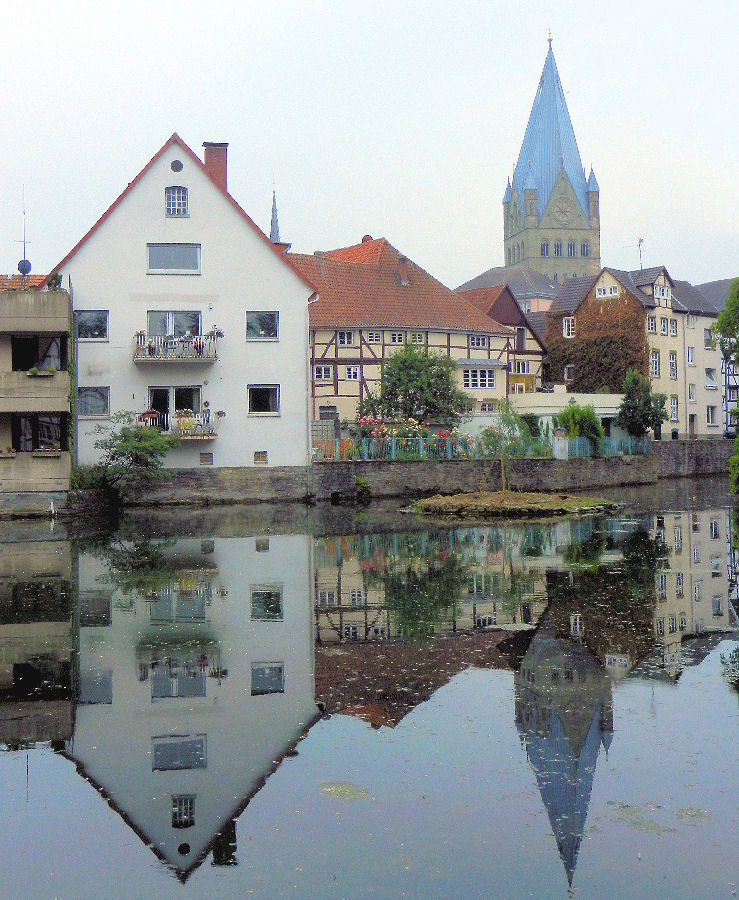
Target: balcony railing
(163,348)
(188,427)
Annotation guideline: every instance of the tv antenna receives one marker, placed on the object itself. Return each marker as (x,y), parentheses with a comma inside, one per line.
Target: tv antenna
(24,266)
(639,242)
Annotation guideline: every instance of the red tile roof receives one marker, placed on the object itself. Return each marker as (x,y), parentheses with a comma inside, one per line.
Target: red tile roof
(19,282)
(483,298)
(371,293)
(176,139)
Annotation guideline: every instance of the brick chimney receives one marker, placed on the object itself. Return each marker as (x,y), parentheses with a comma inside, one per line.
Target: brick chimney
(215,160)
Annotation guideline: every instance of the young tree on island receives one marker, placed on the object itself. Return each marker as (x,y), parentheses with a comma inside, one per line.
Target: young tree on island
(420,386)
(640,410)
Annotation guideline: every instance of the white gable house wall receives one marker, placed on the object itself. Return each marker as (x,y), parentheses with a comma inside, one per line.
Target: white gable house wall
(228,269)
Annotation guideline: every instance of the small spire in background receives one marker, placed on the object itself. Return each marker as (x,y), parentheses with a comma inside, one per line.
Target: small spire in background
(274,228)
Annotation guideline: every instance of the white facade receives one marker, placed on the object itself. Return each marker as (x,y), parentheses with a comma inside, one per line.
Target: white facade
(125,268)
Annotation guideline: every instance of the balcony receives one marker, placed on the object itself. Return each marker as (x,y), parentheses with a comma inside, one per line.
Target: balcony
(34,312)
(187,426)
(41,470)
(20,392)
(159,348)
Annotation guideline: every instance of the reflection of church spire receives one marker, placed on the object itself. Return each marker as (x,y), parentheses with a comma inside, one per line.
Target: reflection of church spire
(563,714)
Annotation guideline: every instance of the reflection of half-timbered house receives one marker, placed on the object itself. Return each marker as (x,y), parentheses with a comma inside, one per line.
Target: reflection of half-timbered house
(372,301)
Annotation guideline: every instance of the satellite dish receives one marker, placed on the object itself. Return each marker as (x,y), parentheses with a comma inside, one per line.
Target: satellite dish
(24,267)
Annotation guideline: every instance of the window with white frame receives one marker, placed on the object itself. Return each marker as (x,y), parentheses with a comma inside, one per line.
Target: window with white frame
(323,373)
(326,597)
(662,291)
(569,372)
(397,337)
(183,810)
(601,292)
(691,392)
(673,364)
(374,337)
(696,554)
(173,259)
(175,200)
(357,597)
(715,532)
(652,324)
(351,632)
(174,323)
(673,408)
(654,363)
(691,356)
(478,341)
(262,326)
(519,366)
(92,324)
(264,399)
(478,378)
(352,373)
(568,327)
(93,402)
(664,325)
(711,416)
(525,306)
(690,320)
(711,383)
(345,338)
(679,581)
(673,327)
(707,338)
(418,337)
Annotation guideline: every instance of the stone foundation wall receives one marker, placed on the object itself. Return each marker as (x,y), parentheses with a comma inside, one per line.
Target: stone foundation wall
(684,459)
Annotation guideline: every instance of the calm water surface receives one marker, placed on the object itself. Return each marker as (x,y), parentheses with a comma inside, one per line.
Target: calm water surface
(319,703)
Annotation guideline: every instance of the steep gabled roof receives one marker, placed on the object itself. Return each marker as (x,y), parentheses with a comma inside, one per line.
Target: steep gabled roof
(500,301)
(369,250)
(716,292)
(523,283)
(692,299)
(176,139)
(549,144)
(571,293)
(384,290)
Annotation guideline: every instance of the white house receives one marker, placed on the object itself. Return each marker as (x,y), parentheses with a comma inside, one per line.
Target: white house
(188,316)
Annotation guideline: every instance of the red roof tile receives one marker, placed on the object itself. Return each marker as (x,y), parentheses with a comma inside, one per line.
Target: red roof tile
(483,298)
(176,139)
(371,292)
(19,282)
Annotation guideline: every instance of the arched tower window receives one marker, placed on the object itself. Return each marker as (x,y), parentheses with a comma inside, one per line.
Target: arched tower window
(585,248)
(175,200)
(558,248)
(545,248)
(571,248)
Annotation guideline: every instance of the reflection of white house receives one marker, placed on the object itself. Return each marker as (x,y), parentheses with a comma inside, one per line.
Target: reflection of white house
(184,312)
(191,691)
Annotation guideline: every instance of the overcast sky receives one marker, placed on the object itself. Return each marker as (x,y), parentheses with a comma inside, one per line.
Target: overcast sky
(396,119)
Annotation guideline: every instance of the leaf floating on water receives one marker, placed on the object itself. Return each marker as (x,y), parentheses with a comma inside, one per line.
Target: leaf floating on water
(692,816)
(344,790)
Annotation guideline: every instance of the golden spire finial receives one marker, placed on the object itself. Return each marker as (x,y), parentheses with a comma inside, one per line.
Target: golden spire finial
(550,37)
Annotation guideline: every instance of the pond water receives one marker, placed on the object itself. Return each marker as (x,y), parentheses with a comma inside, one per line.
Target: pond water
(332,703)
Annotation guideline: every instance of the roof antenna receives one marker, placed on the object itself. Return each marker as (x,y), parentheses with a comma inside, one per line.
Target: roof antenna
(24,266)
(550,37)
(639,242)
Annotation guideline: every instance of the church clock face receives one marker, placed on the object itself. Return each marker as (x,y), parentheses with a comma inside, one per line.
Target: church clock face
(563,211)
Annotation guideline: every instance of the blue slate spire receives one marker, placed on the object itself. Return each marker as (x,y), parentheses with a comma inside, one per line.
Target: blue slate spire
(507,195)
(274,228)
(592,181)
(549,143)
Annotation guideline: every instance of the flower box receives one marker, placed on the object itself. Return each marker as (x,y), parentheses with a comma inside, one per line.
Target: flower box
(46,454)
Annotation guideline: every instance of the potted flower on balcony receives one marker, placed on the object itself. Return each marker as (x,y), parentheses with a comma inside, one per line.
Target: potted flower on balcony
(214,333)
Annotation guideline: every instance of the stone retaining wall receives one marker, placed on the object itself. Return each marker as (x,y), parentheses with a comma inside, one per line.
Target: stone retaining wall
(683,459)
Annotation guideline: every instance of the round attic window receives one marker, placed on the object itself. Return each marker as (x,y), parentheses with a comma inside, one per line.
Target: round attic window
(176,165)
(183,849)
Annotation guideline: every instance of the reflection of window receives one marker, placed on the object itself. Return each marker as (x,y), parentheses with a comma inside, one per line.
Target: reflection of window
(327,598)
(697,592)
(678,538)
(662,586)
(671,624)
(183,810)
(569,372)
(92,324)
(351,633)
(356,597)
(576,626)
(95,608)
(174,259)
(266,602)
(267,678)
(660,626)
(93,401)
(264,398)
(96,687)
(262,326)
(179,751)
(683,621)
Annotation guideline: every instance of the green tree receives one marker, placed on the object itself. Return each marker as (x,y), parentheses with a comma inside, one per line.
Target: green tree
(417,385)
(640,410)
(508,436)
(580,421)
(726,326)
(132,456)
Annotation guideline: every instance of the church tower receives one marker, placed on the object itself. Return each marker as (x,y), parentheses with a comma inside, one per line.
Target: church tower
(551,213)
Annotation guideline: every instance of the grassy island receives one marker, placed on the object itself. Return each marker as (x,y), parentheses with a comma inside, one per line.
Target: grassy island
(510,505)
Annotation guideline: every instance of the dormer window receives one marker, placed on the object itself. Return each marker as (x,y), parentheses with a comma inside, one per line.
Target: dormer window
(175,201)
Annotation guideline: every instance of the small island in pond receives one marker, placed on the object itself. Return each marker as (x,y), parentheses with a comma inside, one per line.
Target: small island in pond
(510,505)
